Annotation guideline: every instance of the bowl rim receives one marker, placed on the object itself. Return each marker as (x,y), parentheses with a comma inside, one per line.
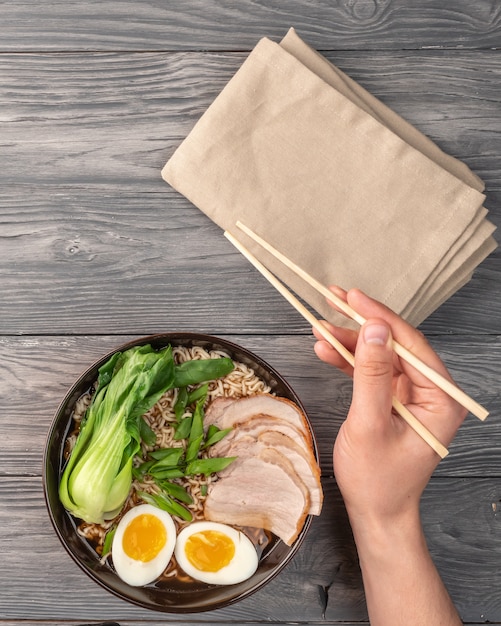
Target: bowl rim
(60,519)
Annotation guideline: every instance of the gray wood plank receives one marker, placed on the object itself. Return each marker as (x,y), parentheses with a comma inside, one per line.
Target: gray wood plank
(160,267)
(162,622)
(151,623)
(85,214)
(37,372)
(461,522)
(217,24)
(186,623)
(95,249)
(114,119)
(163,265)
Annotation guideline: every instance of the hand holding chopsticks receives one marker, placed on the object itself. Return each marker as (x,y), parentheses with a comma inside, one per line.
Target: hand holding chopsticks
(428,372)
(446,385)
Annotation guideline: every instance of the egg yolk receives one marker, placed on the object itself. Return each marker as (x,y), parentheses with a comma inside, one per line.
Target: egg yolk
(209,550)
(144,537)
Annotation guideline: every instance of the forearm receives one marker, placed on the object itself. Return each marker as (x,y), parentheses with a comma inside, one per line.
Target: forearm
(401,582)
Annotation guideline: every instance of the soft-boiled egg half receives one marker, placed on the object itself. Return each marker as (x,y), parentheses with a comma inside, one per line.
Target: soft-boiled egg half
(143,544)
(215,553)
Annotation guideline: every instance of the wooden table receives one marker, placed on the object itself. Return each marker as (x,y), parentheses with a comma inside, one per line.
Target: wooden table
(96,249)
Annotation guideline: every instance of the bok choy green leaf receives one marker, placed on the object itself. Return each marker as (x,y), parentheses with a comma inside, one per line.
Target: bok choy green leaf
(98,475)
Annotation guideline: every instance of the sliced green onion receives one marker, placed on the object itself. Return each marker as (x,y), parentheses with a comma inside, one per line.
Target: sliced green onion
(200,393)
(166,503)
(215,434)
(201,370)
(166,457)
(181,403)
(208,466)
(183,429)
(108,540)
(175,490)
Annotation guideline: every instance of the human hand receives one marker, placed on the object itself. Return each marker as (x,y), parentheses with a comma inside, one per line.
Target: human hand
(381,465)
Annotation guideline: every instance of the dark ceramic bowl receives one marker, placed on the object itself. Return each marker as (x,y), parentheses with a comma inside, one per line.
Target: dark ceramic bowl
(165,597)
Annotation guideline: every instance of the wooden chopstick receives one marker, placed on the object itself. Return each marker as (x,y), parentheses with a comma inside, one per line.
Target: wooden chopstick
(402,410)
(442,383)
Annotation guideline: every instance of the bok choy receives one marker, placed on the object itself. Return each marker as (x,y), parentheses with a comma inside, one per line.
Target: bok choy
(98,475)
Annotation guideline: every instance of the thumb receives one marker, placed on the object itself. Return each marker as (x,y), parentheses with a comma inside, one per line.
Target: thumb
(373,374)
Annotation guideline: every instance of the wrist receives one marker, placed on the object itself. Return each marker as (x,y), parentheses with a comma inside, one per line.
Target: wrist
(386,537)
(401,582)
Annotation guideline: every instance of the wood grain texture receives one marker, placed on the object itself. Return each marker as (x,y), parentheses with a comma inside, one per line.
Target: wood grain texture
(37,372)
(163,621)
(321,585)
(224,25)
(57,109)
(162,265)
(95,250)
(83,214)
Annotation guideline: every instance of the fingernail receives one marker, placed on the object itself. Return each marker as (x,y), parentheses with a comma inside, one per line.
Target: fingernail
(376,334)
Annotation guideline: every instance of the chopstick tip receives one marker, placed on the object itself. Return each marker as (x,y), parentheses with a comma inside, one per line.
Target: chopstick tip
(482,414)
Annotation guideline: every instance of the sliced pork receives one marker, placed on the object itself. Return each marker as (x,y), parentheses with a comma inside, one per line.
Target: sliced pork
(274,483)
(257,424)
(243,442)
(304,463)
(262,491)
(225,414)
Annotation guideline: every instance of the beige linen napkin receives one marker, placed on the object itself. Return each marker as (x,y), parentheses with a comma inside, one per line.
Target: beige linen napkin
(335,180)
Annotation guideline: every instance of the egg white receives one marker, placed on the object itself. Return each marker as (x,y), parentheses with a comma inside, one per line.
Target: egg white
(132,571)
(242,566)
